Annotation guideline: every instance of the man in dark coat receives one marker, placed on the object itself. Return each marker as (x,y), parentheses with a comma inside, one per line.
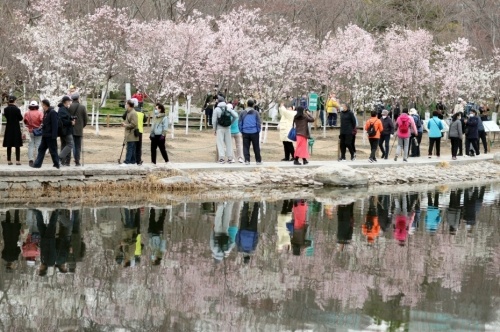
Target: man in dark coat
(12,136)
(79,112)
(11,231)
(472,134)
(347,128)
(49,136)
(67,131)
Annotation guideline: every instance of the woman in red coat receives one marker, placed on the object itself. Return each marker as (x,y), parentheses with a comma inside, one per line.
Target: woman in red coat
(301,120)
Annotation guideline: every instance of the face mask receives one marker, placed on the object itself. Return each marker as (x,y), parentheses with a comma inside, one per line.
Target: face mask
(156,112)
(471,116)
(384,116)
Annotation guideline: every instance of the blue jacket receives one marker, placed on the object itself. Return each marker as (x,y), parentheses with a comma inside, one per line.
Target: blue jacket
(434,126)
(249,121)
(432,218)
(480,125)
(247,240)
(50,122)
(472,127)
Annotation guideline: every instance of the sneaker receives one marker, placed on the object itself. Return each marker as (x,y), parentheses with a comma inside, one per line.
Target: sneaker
(247,163)
(77,164)
(341,159)
(31,163)
(231,161)
(57,166)
(259,163)
(370,160)
(124,165)
(430,157)
(222,161)
(139,163)
(383,156)
(375,159)
(396,158)
(296,162)
(240,160)
(405,160)
(454,158)
(353,158)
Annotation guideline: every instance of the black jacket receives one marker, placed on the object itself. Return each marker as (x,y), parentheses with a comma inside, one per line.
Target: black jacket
(388,126)
(50,120)
(65,117)
(347,122)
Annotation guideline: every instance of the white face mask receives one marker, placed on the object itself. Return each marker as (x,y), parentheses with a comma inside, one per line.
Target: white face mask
(384,116)
(471,115)
(156,112)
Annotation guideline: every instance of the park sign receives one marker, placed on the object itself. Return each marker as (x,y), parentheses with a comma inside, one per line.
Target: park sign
(313,101)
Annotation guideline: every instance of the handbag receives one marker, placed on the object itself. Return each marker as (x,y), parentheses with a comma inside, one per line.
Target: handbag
(292,134)
(37,131)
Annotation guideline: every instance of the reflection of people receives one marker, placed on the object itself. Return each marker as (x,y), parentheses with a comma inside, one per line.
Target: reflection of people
(157,242)
(48,252)
(221,243)
(248,236)
(77,246)
(433,215)
(473,198)
(383,208)
(284,217)
(300,226)
(454,211)
(30,249)
(401,219)
(416,212)
(63,240)
(11,229)
(130,247)
(345,215)
(371,227)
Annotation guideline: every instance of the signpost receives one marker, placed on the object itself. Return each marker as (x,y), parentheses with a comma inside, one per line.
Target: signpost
(313,102)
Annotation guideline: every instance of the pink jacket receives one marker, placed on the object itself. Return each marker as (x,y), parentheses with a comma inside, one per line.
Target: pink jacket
(412,127)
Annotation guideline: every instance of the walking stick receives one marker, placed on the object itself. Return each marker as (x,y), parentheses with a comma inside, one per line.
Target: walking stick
(83,154)
(393,142)
(121,154)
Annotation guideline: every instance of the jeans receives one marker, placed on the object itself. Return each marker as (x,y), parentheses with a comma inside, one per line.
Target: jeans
(66,147)
(332,119)
(254,140)
(346,143)
(47,143)
(455,143)
(238,142)
(373,146)
(289,150)
(437,141)
(156,143)
(224,146)
(130,156)
(403,143)
(138,150)
(33,146)
(383,144)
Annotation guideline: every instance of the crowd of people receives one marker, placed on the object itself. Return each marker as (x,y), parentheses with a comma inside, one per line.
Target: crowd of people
(237,128)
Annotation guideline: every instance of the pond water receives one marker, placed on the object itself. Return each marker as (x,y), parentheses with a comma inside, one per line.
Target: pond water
(426,261)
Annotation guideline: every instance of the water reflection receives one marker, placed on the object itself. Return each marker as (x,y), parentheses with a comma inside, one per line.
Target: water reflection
(413,261)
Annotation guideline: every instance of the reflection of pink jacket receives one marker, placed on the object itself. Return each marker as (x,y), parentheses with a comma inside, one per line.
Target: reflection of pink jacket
(411,127)
(400,230)
(299,216)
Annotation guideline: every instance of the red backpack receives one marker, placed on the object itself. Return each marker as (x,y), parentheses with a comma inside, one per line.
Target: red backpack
(404,126)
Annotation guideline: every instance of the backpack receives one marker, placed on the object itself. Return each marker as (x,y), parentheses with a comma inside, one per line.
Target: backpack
(405,125)
(371,130)
(225,118)
(418,122)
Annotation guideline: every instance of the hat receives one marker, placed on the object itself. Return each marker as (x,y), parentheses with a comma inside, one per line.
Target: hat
(385,112)
(136,102)
(460,100)
(221,99)
(33,103)
(12,99)
(65,99)
(413,111)
(75,96)
(230,106)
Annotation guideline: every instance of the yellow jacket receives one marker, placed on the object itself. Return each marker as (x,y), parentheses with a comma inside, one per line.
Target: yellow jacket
(331,105)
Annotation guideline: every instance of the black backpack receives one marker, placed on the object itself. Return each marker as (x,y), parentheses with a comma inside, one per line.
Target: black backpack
(371,130)
(225,118)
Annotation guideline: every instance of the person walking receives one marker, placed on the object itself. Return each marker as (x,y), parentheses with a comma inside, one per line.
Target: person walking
(237,138)
(481,135)
(301,120)
(374,128)
(455,134)
(385,136)
(79,113)
(49,136)
(222,119)
(12,135)
(249,125)
(286,123)
(347,132)
(67,131)
(472,134)
(416,139)
(434,127)
(405,126)
(130,125)
(33,120)
(159,128)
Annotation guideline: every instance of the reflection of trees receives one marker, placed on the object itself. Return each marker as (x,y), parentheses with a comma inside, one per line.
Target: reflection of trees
(449,274)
